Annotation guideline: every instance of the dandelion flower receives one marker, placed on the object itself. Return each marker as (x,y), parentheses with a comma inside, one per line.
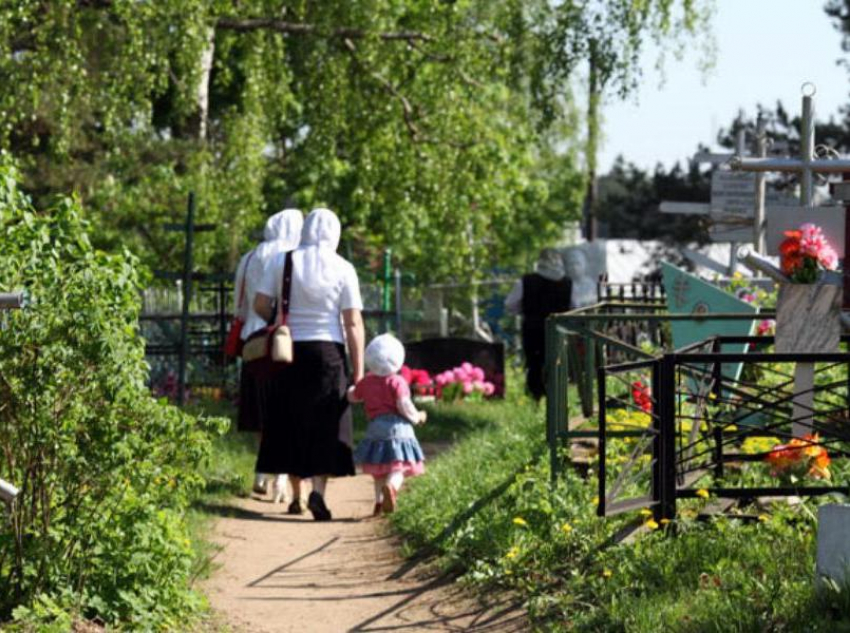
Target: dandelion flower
(566,528)
(595,501)
(512,553)
(520,522)
(607,573)
(646,512)
(703,493)
(664,521)
(651,524)
(764,518)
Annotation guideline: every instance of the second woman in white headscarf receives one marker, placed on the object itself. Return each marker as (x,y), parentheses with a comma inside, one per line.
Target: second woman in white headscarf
(313,438)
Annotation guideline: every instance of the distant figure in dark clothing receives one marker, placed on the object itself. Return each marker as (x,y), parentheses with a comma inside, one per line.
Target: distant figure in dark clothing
(537,295)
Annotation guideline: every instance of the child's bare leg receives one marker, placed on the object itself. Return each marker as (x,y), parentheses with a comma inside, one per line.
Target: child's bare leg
(379,483)
(379,487)
(396,480)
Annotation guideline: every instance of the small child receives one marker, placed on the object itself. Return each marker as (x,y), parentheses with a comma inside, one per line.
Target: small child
(390,450)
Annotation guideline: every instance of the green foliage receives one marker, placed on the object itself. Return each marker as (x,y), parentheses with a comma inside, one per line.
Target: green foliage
(487,508)
(105,471)
(423,123)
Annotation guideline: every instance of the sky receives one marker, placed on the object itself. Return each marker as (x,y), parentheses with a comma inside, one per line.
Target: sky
(766,50)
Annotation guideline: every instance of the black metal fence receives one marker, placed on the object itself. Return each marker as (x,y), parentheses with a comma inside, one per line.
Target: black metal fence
(706,421)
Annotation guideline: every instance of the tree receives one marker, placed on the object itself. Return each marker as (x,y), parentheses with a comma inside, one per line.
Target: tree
(419,121)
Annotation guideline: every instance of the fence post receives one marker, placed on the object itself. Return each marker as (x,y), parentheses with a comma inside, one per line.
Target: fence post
(601,390)
(667,414)
(188,264)
(657,456)
(553,397)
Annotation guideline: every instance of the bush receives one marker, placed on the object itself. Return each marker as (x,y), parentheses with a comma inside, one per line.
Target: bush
(105,471)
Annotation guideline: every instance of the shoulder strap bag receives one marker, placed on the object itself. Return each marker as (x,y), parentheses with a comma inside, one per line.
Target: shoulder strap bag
(272,346)
(233,342)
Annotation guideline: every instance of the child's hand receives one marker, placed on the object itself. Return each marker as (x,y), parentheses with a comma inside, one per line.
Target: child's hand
(350,394)
(423,416)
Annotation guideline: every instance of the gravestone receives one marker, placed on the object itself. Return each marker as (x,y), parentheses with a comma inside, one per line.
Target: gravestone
(584,264)
(439,354)
(688,294)
(834,542)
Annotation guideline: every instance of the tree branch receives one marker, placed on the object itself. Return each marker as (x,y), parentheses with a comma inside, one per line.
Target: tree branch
(406,108)
(245,25)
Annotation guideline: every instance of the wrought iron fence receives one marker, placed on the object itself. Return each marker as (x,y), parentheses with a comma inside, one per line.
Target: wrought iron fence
(580,341)
(710,421)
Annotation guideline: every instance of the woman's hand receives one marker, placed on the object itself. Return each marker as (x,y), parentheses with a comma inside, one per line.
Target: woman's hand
(423,417)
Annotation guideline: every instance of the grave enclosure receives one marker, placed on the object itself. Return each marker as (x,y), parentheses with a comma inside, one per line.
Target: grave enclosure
(664,421)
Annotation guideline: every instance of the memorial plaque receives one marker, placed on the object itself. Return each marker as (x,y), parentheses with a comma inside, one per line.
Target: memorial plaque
(732,202)
(688,294)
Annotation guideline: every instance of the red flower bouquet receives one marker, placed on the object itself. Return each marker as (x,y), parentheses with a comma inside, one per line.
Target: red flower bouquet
(800,457)
(642,396)
(805,252)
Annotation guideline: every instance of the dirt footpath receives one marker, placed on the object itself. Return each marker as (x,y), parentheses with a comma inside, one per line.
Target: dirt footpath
(282,573)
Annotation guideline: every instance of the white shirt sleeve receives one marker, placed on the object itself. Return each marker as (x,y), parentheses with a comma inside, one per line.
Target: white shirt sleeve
(407,409)
(240,311)
(349,298)
(272,276)
(513,302)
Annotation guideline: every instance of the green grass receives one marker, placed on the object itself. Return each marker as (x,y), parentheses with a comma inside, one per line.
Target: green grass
(486,508)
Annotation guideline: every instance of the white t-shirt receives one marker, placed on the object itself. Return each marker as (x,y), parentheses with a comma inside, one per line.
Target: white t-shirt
(311,320)
(253,277)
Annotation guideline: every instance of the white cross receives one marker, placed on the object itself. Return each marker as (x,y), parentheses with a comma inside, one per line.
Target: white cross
(807,166)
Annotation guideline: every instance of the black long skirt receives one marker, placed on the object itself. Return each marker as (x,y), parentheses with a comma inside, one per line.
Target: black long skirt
(308,406)
(250,402)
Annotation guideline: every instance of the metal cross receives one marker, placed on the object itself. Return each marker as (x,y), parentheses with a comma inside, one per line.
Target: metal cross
(806,166)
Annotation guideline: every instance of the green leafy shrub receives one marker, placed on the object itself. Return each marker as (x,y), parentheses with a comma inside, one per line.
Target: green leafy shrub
(105,470)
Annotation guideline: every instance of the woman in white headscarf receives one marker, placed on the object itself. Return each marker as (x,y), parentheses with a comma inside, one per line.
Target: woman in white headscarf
(282,233)
(537,295)
(313,435)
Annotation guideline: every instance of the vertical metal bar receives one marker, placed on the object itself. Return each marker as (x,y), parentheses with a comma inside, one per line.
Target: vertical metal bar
(385,303)
(587,378)
(759,222)
(398,302)
(668,437)
(657,472)
(846,301)
(807,149)
(602,470)
(188,264)
(551,395)
(222,328)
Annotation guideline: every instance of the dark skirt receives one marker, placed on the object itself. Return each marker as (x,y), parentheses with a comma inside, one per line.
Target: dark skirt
(250,404)
(308,406)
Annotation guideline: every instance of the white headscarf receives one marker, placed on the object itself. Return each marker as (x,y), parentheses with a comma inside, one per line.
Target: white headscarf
(550,264)
(384,355)
(315,264)
(282,234)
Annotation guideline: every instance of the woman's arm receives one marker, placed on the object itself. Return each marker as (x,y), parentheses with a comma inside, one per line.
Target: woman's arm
(355,335)
(263,305)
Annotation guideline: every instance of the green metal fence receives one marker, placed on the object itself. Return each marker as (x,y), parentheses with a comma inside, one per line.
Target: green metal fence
(580,341)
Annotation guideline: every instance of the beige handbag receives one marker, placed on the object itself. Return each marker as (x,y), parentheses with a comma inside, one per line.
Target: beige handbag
(273,344)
